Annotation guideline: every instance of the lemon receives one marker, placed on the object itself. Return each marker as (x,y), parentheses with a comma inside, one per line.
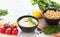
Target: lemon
(1,23)
(15,24)
(37,13)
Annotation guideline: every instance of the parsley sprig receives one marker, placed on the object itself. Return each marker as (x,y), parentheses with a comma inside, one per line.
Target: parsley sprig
(31,21)
(3,12)
(44,4)
(52,29)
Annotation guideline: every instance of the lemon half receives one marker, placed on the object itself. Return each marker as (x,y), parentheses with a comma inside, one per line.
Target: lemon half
(37,13)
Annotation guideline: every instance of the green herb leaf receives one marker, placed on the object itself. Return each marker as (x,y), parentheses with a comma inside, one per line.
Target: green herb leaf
(46,4)
(30,20)
(51,29)
(3,12)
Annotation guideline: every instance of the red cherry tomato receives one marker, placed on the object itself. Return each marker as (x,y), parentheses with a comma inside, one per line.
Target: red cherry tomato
(2,30)
(14,26)
(6,25)
(15,31)
(11,26)
(8,31)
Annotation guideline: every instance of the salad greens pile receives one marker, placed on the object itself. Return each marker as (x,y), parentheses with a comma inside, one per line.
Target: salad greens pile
(44,4)
(3,12)
(52,29)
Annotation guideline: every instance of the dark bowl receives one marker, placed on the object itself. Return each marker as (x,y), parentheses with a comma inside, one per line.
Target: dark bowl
(27,29)
(51,21)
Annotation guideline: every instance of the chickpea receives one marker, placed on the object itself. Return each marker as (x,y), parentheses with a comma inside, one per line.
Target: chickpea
(51,14)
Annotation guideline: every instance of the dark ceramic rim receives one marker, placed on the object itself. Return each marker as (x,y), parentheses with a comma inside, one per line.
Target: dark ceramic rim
(50,9)
(27,16)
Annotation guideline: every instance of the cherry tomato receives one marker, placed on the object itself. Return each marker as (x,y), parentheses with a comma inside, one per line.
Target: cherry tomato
(2,30)
(8,31)
(14,26)
(15,31)
(6,25)
(11,26)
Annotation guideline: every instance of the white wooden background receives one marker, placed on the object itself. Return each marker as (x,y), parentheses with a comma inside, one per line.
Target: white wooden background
(17,8)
